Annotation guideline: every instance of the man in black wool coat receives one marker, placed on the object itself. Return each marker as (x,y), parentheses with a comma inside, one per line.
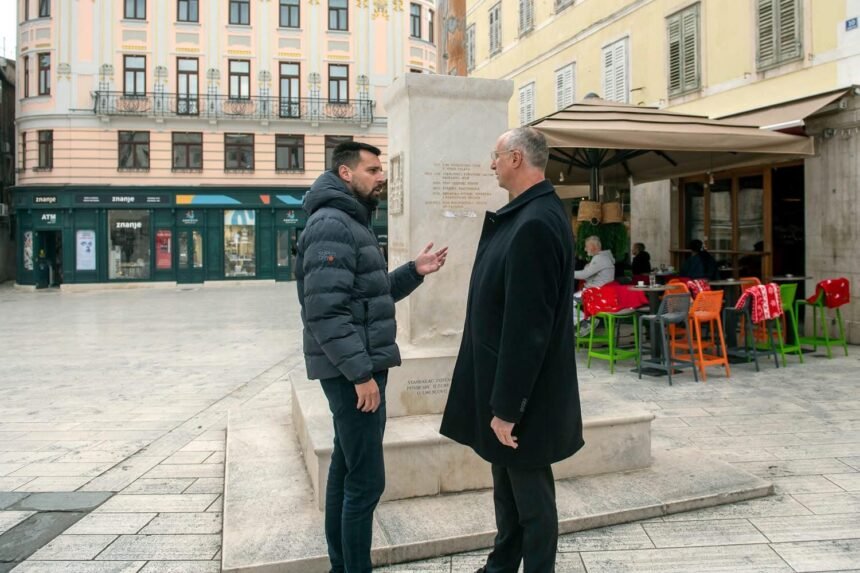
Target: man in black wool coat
(514,397)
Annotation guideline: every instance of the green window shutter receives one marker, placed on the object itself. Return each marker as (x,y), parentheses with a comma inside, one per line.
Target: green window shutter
(789,30)
(675,48)
(690,51)
(767,49)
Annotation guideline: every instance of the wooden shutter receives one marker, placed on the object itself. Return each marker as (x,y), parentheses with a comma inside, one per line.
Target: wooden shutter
(676,80)
(527,104)
(608,74)
(495,29)
(789,30)
(619,58)
(767,51)
(527,8)
(565,79)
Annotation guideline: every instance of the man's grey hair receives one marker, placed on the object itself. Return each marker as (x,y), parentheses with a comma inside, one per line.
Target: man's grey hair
(532,143)
(594,240)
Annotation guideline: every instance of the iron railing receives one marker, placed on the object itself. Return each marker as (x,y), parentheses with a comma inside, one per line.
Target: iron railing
(206,106)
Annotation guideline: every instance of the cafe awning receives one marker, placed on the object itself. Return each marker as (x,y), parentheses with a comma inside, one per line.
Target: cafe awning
(596,141)
(786,115)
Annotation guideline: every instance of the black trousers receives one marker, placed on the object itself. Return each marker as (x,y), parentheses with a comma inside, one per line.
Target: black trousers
(526,519)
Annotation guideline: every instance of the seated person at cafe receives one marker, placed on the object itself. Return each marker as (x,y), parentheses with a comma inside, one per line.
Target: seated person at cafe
(641,264)
(701,265)
(598,272)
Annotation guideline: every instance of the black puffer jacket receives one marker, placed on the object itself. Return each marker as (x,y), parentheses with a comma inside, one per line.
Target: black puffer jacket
(345,290)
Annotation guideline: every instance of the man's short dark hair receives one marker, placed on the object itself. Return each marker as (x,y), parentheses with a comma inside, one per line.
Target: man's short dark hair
(349,153)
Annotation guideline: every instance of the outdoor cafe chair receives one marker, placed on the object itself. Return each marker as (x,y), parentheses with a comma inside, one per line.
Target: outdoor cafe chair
(832,294)
(674,310)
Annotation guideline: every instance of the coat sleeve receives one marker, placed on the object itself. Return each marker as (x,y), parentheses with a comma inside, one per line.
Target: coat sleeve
(404,279)
(329,274)
(588,271)
(533,281)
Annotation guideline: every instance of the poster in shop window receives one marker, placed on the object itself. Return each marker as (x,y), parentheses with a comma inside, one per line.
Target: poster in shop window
(86,250)
(163,258)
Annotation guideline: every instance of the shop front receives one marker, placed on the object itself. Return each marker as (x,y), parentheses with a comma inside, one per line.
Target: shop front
(115,235)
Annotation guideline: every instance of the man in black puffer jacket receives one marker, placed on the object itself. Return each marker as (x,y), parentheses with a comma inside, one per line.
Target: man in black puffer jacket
(347,298)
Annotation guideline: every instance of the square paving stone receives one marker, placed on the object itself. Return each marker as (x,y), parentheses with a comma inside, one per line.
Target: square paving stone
(34,532)
(207,485)
(186,471)
(71,501)
(809,527)
(704,533)
(159,486)
(187,457)
(53,484)
(747,558)
(8,498)
(158,503)
(183,523)
(820,555)
(73,547)
(773,506)
(804,484)
(627,536)
(80,567)
(848,482)
(106,523)
(182,567)
(55,469)
(163,547)
(826,503)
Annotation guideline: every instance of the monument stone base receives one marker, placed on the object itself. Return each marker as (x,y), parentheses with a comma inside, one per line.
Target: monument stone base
(420,462)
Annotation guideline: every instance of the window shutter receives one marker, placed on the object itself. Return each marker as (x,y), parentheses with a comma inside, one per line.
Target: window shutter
(608,74)
(789,29)
(564,86)
(690,60)
(527,104)
(620,64)
(675,48)
(766,33)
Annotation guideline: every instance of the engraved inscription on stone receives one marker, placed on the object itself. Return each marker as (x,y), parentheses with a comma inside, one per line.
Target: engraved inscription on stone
(428,386)
(395,185)
(460,188)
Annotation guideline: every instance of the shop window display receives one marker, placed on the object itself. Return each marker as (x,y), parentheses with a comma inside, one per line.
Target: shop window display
(239,243)
(130,248)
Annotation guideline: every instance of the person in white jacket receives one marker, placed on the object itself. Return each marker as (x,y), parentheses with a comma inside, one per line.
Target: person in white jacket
(598,272)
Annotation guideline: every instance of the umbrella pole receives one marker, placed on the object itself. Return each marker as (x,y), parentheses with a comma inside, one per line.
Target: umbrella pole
(594,184)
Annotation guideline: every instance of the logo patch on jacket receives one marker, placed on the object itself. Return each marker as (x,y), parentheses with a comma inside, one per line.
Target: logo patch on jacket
(325,256)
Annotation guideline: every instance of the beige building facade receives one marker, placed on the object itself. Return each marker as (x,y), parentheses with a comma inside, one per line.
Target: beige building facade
(788,65)
(136,115)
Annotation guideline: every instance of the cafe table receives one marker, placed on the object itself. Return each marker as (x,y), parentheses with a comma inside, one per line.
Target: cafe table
(653,293)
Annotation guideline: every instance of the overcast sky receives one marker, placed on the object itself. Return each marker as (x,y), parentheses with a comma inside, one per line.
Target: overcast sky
(8,27)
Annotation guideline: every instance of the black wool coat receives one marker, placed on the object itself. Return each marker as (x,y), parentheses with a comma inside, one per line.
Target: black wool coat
(516,359)
(345,290)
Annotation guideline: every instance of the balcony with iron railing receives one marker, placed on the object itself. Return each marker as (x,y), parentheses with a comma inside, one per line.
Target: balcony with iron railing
(218,107)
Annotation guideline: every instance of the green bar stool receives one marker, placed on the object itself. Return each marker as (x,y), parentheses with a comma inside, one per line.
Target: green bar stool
(788,293)
(582,341)
(613,353)
(820,328)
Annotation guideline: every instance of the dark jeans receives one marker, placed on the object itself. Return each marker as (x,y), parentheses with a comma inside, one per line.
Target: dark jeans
(356,476)
(527,520)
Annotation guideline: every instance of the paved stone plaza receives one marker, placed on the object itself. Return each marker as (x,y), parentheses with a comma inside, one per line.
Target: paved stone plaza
(113,409)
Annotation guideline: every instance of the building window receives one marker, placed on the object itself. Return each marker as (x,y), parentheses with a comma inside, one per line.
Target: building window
(26,10)
(290,152)
(135,9)
(527,103)
(44,74)
(615,74)
(130,254)
(187,150)
(527,16)
(240,12)
(187,102)
(470,48)
(188,10)
(338,83)
(779,32)
(46,149)
(332,141)
(565,86)
(23,151)
(134,75)
(240,239)
(496,29)
(683,29)
(26,63)
(239,151)
(431,30)
(44,8)
(415,20)
(133,150)
(338,15)
(240,79)
(290,14)
(290,90)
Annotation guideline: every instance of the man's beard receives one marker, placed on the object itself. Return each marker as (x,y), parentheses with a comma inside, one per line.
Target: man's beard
(371,200)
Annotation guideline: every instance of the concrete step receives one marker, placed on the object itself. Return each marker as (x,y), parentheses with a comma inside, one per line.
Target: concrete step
(421,462)
(272,523)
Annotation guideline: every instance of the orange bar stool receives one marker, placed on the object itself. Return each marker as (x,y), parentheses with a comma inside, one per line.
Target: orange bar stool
(706,311)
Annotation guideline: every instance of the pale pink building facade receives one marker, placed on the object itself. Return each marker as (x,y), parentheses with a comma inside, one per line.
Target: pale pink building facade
(192,96)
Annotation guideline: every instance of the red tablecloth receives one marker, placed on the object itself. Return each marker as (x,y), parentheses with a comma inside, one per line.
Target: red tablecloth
(611,298)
